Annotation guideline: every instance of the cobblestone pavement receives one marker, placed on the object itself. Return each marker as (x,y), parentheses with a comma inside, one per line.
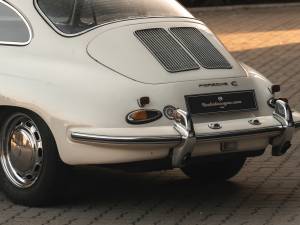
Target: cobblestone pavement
(266,192)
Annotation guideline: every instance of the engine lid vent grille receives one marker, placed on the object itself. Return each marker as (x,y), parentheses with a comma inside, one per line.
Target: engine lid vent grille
(167,50)
(200,47)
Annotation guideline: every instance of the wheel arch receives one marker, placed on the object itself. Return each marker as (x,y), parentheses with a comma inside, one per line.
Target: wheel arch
(6,110)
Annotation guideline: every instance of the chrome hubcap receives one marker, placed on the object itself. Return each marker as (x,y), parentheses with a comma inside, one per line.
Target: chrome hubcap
(22,154)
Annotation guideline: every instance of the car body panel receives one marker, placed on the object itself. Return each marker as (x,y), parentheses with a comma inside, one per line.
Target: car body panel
(120,50)
(56,78)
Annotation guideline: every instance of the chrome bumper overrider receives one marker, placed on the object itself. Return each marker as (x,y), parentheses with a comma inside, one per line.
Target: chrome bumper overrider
(183,144)
(284,115)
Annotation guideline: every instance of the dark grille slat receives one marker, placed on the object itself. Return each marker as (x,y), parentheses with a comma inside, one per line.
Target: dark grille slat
(166,50)
(200,47)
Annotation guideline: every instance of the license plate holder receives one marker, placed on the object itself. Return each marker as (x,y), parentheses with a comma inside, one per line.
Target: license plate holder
(230,146)
(222,102)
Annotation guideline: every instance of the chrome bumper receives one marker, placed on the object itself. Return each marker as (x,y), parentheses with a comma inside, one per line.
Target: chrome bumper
(183,144)
(120,140)
(280,144)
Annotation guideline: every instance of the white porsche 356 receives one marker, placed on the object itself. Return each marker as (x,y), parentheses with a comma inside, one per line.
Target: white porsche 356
(127,83)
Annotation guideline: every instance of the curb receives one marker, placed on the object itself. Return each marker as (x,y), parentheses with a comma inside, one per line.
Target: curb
(236,7)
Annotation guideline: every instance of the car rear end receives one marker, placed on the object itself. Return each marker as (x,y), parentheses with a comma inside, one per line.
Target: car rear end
(204,102)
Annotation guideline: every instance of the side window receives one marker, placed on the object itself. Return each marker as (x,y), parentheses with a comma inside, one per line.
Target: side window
(14,30)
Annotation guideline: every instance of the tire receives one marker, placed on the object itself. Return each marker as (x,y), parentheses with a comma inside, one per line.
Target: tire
(30,169)
(214,170)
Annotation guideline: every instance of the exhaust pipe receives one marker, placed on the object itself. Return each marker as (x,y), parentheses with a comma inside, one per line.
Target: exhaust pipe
(281,150)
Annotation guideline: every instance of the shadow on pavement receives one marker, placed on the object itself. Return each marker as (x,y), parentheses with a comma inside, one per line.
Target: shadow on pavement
(93,185)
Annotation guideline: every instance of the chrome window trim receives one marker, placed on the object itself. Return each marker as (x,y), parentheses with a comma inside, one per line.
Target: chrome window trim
(51,24)
(25,22)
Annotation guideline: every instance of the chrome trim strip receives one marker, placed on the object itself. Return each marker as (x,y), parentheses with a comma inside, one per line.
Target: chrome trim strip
(26,23)
(102,139)
(239,133)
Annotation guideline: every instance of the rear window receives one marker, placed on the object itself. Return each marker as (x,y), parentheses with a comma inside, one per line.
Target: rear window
(76,16)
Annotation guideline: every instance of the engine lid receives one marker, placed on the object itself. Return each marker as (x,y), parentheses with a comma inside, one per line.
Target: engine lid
(164,52)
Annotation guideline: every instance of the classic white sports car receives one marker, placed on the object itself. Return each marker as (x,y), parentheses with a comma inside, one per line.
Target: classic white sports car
(133,84)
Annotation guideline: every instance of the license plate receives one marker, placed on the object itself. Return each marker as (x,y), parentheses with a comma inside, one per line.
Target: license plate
(222,102)
(229,146)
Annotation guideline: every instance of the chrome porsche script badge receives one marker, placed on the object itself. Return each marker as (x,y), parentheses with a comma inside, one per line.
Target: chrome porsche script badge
(233,83)
(214,84)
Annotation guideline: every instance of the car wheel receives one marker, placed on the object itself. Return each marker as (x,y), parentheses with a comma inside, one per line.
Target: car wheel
(30,163)
(214,170)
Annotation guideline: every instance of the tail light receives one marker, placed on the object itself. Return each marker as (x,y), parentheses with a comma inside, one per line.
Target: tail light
(275,88)
(143,116)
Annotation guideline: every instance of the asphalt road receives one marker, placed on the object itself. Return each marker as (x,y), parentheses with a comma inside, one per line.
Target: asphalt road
(266,192)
